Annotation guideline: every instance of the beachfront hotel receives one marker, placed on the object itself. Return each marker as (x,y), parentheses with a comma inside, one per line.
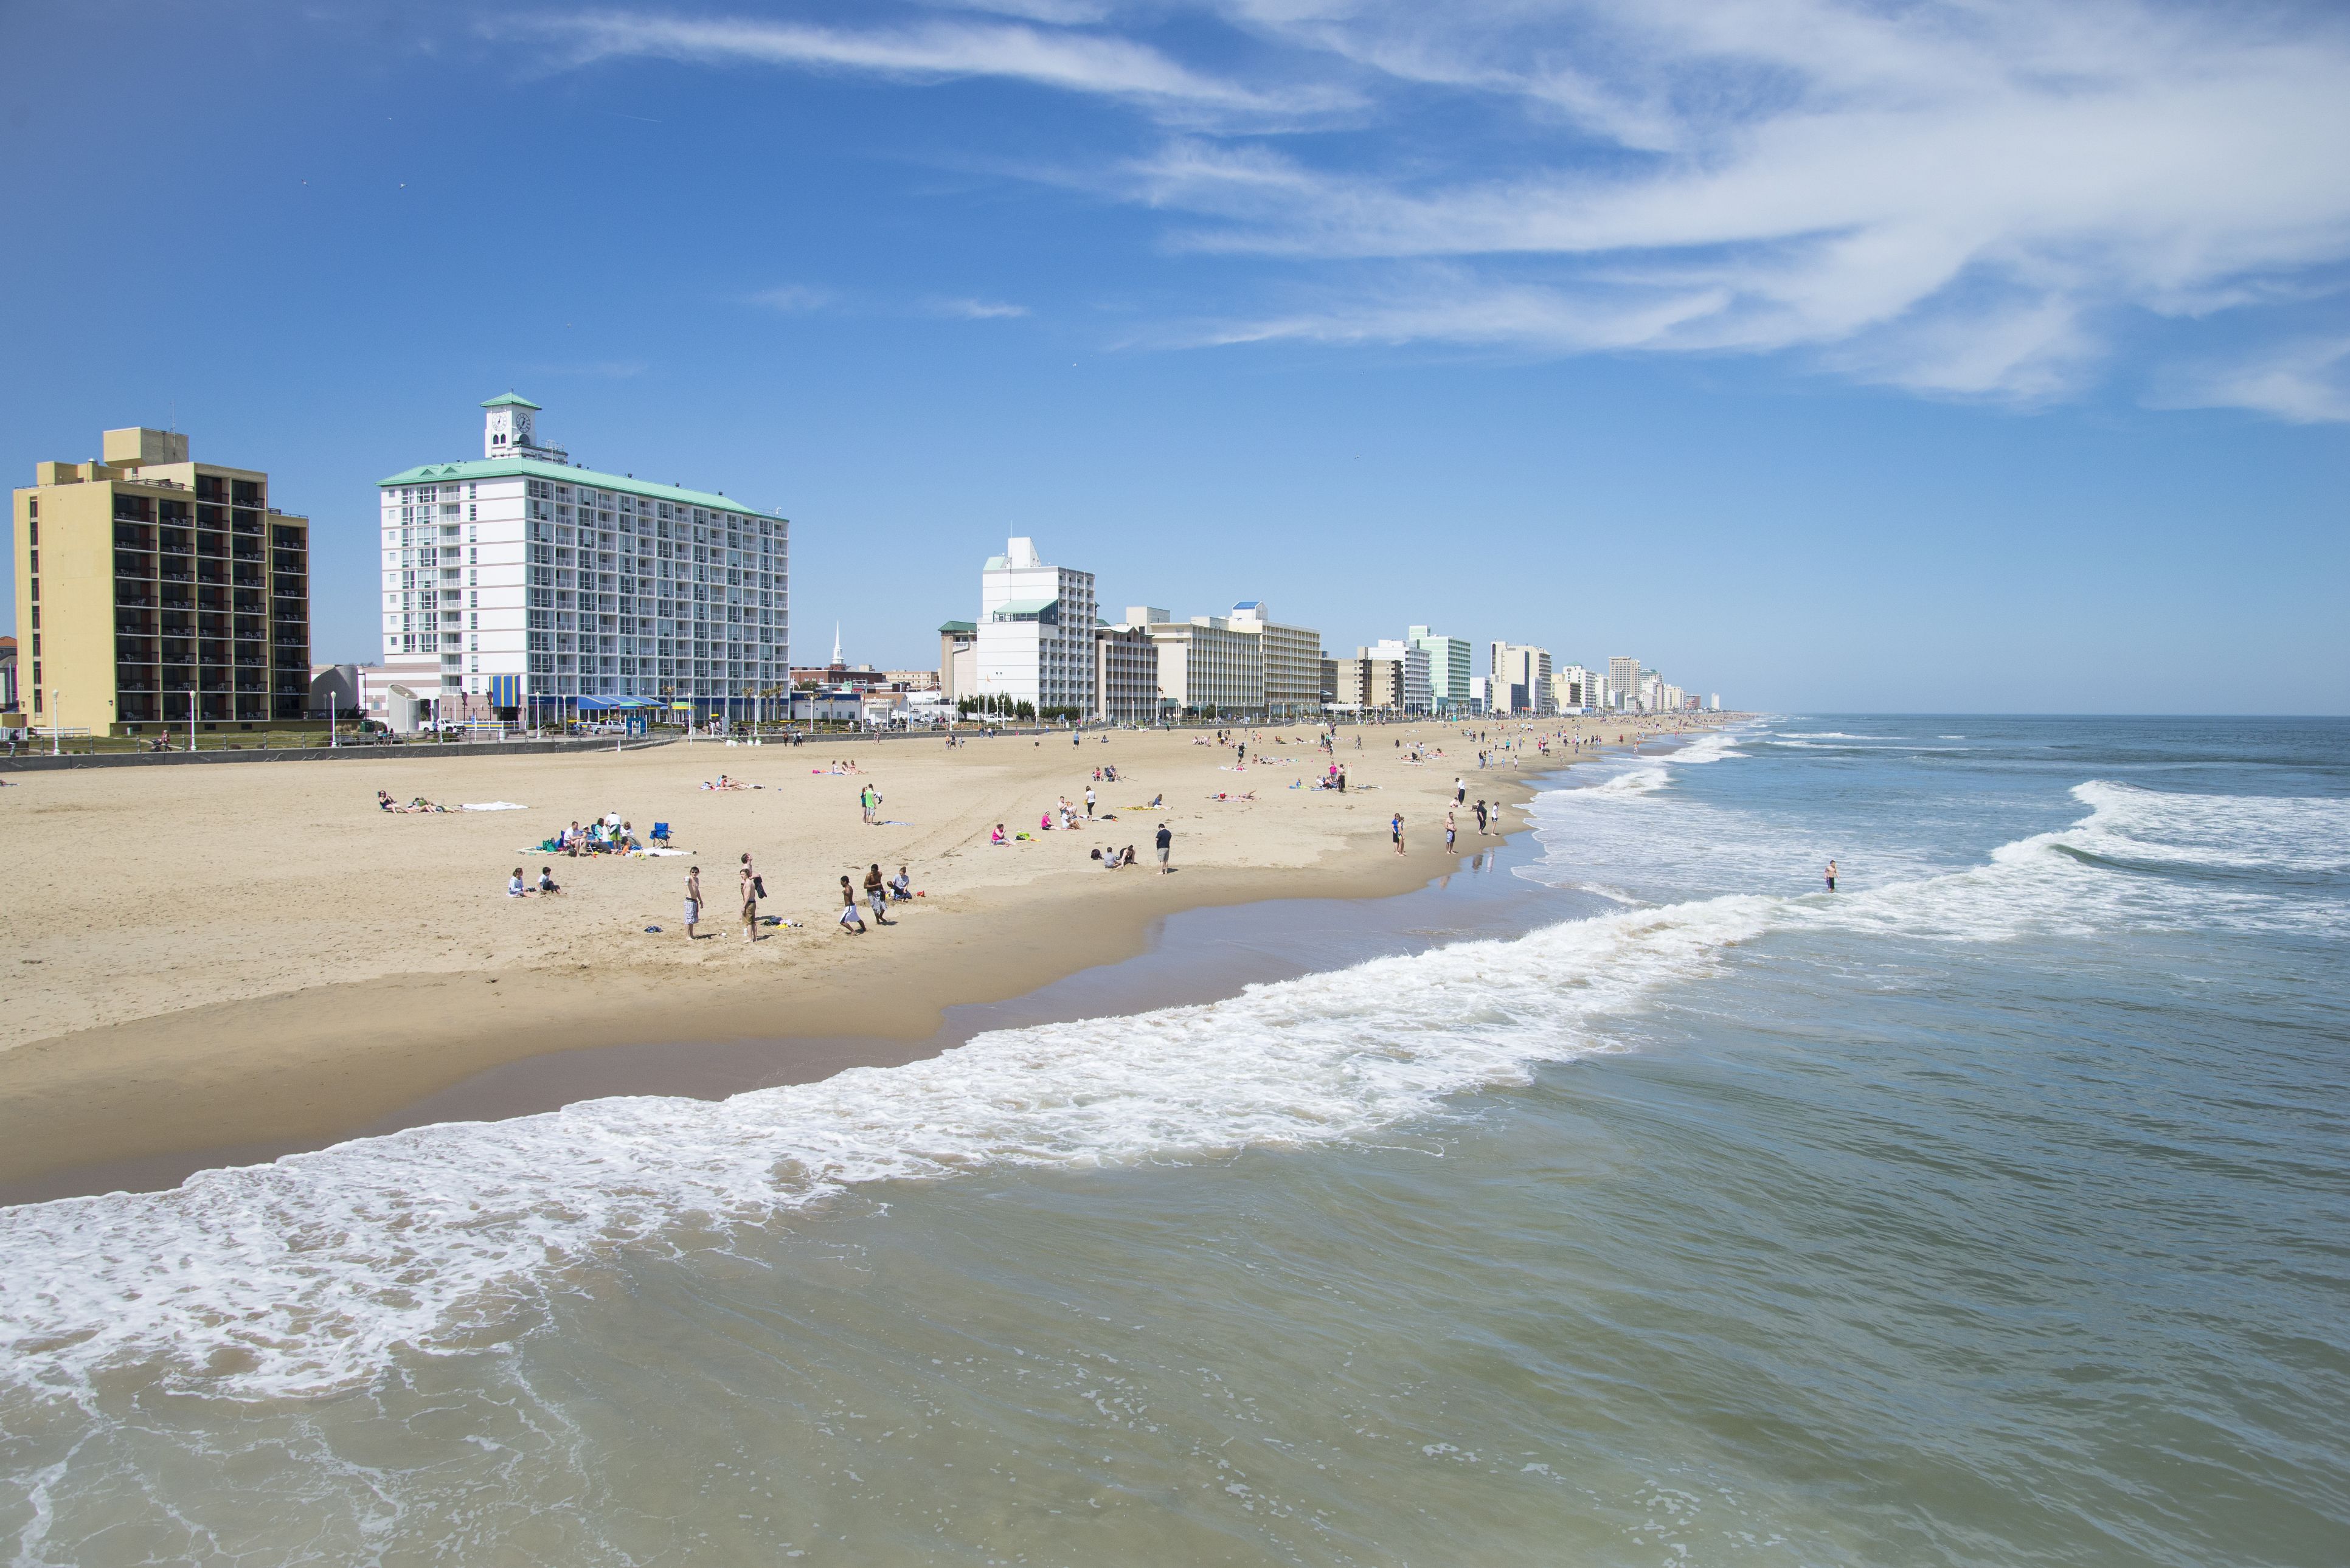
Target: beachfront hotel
(1290,657)
(1205,666)
(523,585)
(1126,675)
(153,591)
(1623,681)
(1449,661)
(1034,640)
(1389,676)
(1522,680)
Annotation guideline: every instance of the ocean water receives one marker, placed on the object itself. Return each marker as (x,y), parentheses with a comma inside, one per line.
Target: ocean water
(1993,1209)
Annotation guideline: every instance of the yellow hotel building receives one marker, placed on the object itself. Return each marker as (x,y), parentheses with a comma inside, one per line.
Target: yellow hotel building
(146,584)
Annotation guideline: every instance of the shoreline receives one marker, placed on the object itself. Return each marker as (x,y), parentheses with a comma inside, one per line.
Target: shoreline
(143,1103)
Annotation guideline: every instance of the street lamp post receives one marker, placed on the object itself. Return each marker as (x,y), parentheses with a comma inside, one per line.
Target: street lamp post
(57,718)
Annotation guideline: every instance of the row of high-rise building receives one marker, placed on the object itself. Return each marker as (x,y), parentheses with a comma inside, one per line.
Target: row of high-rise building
(1525,683)
(1041,644)
(154,591)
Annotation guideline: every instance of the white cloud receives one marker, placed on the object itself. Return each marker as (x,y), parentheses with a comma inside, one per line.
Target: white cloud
(795,296)
(1970,197)
(976,309)
(2305,382)
(923,49)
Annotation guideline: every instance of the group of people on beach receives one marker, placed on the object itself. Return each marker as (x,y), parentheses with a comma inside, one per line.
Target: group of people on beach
(879,893)
(607,834)
(385,803)
(750,888)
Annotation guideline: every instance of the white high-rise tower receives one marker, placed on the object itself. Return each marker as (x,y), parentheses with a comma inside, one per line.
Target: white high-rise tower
(1035,633)
(519,584)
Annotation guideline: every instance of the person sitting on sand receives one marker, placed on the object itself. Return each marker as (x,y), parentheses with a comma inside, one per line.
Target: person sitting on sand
(547,883)
(384,801)
(1044,821)
(1155,801)
(997,836)
(901,887)
(514,887)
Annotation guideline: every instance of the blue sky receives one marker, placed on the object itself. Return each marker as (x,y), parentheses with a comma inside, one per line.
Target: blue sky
(1980,357)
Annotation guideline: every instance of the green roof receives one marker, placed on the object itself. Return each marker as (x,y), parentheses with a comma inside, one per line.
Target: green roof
(1023,607)
(511,401)
(562,473)
(958,625)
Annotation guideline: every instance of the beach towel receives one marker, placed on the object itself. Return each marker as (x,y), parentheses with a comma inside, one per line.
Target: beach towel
(495,806)
(652,854)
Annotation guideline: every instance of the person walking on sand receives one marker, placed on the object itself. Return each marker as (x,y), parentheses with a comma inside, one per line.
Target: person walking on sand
(851,918)
(1089,803)
(877,893)
(1395,831)
(1460,790)
(692,902)
(865,800)
(1165,842)
(1481,819)
(750,885)
(1832,876)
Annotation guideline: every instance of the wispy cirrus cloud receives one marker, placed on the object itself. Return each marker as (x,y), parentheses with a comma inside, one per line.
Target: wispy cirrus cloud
(796,296)
(2305,382)
(927,48)
(1974,198)
(974,309)
(806,298)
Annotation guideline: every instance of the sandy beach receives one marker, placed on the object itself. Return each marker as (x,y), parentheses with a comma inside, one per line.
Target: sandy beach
(255,957)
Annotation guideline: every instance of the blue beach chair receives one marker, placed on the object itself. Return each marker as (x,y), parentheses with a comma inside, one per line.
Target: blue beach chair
(661,833)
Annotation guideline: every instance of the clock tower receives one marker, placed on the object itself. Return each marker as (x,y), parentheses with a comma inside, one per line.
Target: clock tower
(510,430)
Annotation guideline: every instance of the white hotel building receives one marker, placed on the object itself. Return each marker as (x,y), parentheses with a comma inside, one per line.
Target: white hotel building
(522,582)
(1034,642)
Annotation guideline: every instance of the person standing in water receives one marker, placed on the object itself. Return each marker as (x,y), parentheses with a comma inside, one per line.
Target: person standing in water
(1832,876)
